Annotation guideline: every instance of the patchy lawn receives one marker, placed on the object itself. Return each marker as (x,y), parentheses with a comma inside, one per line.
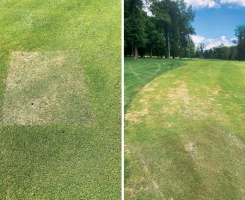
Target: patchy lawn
(184,134)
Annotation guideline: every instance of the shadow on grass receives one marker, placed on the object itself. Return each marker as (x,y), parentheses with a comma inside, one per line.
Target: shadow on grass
(138,73)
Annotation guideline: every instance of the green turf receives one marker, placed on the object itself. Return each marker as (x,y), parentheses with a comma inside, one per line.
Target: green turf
(184,134)
(56,161)
(138,73)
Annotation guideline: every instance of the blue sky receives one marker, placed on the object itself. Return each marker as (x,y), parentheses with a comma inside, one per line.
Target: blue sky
(216,20)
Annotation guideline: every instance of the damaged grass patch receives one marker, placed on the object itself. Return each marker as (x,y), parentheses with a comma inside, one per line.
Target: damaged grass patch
(137,75)
(190,143)
(46,87)
(77,157)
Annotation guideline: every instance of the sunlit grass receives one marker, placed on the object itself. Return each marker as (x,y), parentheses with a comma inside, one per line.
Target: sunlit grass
(54,160)
(138,73)
(184,134)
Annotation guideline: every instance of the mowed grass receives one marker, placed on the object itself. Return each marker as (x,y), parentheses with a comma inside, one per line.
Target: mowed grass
(184,134)
(138,73)
(46,87)
(70,160)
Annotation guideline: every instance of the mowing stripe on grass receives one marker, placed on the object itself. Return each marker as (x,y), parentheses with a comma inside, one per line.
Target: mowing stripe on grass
(184,135)
(138,73)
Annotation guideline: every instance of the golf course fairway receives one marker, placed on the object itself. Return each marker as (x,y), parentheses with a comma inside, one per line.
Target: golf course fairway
(184,133)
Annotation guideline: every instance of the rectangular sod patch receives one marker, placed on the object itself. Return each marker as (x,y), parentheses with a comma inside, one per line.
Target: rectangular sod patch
(46,87)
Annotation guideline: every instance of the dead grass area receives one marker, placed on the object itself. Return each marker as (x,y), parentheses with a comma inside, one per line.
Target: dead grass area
(217,90)
(199,125)
(209,157)
(180,93)
(147,88)
(151,174)
(144,181)
(46,87)
(178,81)
(178,99)
(134,115)
(174,95)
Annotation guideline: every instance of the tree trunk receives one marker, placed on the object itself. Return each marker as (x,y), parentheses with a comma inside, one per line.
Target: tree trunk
(132,48)
(136,56)
(168,47)
(133,14)
(179,54)
(179,49)
(151,51)
(135,52)
(189,50)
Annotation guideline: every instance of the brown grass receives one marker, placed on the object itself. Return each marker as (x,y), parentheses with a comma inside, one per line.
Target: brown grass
(41,87)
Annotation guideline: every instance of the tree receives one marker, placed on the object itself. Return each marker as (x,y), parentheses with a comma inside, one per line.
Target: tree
(240,34)
(134,25)
(165,13)
(191,49)
(160,10)
(186,16)
(166,32)
(222,52)
(233,50)
(154,36)
(198,52)
(205,54)
(202,47)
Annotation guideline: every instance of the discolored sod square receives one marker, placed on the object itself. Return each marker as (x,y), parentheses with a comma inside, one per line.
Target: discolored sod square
(46,87)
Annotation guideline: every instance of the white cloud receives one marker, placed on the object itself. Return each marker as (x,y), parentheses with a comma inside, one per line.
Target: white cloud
(210,42)
(233,7)
(146,7)
(203,3)
(233,39)
(197,39)
(237,2)
(197,4)
(215,3)
(223,39)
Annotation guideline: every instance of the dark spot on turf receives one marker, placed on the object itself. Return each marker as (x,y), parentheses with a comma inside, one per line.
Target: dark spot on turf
(63,131)
(32,103)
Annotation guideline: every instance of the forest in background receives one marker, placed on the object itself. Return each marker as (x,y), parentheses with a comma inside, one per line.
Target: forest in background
(167,32)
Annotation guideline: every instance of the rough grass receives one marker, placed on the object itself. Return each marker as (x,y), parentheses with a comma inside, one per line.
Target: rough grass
(189,143)
(69,160)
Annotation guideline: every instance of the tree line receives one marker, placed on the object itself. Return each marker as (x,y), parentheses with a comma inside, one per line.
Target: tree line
(165,33)
(236,52)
